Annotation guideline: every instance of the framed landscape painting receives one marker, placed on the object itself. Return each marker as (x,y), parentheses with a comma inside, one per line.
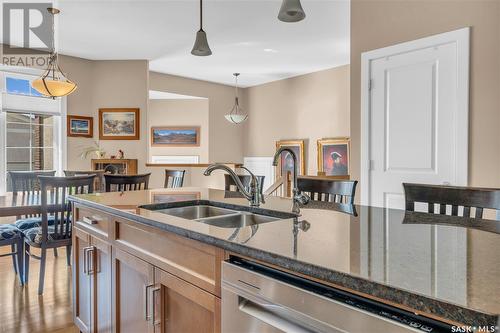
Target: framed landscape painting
(79,126)
(119,124)
(285,162)
(175,136)
(333,156)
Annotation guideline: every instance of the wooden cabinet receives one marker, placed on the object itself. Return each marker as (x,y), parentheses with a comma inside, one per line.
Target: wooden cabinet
(121,166)
(182,307)
(92,283)
(81,281)
(132,278)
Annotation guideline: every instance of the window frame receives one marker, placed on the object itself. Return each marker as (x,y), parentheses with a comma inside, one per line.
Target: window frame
(31,104)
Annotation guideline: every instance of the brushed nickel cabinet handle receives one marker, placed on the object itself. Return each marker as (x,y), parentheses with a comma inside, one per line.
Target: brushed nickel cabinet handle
(147,315)
(156,288)
(90,220)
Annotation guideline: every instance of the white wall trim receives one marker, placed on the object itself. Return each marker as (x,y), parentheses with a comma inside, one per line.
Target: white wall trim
(461,38)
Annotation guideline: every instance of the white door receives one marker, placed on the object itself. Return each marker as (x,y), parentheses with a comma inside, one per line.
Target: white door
(414,129)
(416,112)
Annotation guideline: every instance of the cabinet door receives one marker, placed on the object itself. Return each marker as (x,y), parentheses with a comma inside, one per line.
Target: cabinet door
(183,307)
(132,281)
(81,281)
(101,286)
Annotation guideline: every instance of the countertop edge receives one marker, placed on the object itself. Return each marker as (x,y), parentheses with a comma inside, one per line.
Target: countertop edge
(451,312)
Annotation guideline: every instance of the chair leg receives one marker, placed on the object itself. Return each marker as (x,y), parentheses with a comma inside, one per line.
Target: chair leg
(68,255)
(14,261)
(19,260)
(55,252)
(26,269)
(41,278)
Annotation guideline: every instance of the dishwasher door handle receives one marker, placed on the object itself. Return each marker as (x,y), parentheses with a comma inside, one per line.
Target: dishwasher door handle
(280,317)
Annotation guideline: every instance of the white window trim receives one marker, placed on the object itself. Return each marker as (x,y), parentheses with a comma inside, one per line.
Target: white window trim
(48,106)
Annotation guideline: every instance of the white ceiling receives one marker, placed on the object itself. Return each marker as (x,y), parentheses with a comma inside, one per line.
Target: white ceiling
(244,35)
(155,94)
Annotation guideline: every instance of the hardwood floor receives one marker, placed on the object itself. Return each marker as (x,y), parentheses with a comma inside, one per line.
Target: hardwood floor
(22,310)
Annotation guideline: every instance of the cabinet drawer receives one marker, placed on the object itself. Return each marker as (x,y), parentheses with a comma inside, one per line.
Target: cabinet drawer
(93,219)
(192,261)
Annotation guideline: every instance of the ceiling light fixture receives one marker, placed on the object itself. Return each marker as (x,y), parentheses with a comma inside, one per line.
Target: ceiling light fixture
(54,83)
(201,47)
(237,114)
(291,11)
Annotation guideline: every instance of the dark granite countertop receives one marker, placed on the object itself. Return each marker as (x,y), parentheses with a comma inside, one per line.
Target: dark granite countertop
(445,267)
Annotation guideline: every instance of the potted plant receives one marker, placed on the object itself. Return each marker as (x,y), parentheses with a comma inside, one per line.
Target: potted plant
(94,149)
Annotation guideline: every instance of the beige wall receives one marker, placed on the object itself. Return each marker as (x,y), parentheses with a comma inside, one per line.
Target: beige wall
(310,106)
(225,139)
(107,84)
(376,24)
(177,112)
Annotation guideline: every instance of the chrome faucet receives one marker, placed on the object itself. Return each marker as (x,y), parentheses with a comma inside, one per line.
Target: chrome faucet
(298,197)
(253,194)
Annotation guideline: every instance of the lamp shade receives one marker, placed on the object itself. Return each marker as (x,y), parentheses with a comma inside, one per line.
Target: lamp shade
(291,11)
(53,88)
(236,118)
(201,47)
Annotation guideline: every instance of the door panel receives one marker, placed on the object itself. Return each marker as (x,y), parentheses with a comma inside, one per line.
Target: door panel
(183,307)
(412,120)
(102,286)
(81,281)
(131,277)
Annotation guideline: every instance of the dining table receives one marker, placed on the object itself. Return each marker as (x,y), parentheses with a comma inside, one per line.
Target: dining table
(19,204)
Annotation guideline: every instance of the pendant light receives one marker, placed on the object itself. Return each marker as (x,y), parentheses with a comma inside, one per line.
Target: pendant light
(201,47)
(54,83)
(237,114)
(291,11)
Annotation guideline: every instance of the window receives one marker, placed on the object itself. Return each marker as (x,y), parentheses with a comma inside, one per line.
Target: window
(30,141)
(17,86)
(32,128)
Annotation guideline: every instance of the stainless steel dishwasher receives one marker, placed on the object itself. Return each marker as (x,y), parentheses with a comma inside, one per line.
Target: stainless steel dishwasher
(258,299)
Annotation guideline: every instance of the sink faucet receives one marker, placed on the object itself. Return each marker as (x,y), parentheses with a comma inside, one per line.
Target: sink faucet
(253,194)
(298,197)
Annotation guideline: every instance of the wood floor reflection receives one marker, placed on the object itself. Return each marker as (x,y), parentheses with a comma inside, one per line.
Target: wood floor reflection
(22,310)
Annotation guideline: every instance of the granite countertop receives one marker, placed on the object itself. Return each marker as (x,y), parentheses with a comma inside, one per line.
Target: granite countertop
(447,267)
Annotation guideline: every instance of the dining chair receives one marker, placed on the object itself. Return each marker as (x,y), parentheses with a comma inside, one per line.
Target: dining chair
(174,178)
(54,193)
(98,181)
(122,183)
(230,185)
(27,185)
(11,235)
(469,198)
(339,191)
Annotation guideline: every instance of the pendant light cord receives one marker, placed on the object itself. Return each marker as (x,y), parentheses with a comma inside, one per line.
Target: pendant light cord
(201,15)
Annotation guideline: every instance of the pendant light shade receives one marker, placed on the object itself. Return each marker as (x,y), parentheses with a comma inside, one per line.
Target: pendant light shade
(54,83)
(291,11)
(237,114)
(201,47)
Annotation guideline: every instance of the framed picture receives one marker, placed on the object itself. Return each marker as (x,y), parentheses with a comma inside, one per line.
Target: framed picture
(79,126)
(119,124)
(333,156)
(185,136)
(285,163)
(162,197)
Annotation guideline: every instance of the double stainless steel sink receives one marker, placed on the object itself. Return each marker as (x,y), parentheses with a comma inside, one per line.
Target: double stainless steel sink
(208,213)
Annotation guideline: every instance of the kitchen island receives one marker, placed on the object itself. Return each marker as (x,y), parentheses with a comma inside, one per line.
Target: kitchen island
(441,270)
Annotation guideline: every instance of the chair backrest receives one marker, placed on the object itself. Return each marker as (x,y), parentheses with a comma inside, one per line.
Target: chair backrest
(98,180)
(27,184)
(122,183)
(174,178)
(454,196)
(230,185)
(340,191)
(27,181)
(54,201)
